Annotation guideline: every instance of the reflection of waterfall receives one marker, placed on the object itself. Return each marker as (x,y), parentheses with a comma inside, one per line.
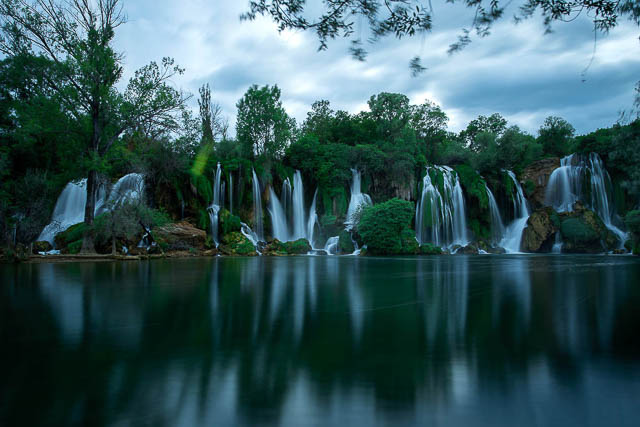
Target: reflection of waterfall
(216,205)
(513,236)
(288,217)
(440,212)
(583,178)
(358,199)
(257,207)
(69,209)
(497,227)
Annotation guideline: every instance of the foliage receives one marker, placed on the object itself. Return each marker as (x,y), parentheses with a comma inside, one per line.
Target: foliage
(228,222)
(345,243)
(381,226)
(632,221)
(263,126)
(430,249)
(556,136)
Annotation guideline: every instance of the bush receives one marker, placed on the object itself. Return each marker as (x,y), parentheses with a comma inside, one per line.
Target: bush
(410,245)
(430,249)
(632,220)
(381,226)
(345,243)
(229,223)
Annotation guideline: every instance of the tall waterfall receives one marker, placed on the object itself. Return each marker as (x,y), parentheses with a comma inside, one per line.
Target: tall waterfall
(313,220)
(257,207)
(214,209)
(69,209)
(231,193)
(289,219)
(497,226)
(513,235)
(440,213)
(358,199)
(583,178)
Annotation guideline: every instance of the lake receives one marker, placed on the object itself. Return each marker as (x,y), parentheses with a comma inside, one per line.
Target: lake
(441,341)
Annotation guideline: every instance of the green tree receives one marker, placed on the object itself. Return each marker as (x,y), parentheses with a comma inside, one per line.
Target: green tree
(319,121)
(382,226)
(263,126)
(495,124)
(556,136)
(76,36)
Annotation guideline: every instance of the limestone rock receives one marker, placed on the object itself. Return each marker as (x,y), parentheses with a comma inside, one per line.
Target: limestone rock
(42,246)
(236,243)
(181,235)
(584,232)
(539,235)
(538,173)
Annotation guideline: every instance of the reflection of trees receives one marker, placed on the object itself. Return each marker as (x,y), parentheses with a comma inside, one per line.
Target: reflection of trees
(243,339)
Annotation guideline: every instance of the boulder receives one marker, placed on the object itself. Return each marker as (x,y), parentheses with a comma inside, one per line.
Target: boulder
(467,250)
(180,236)
(345,243)
(584,232)
(42,246)
(236,243)
(297,247)
(429,249)
(538,174)
(539,234)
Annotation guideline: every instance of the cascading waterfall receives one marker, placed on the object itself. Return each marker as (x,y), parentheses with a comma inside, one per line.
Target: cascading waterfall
(288,217)
(513,235)
(214,209)
(231,194)
(497,226)
(331,247)
(257,208)
(69,209)
(358,199)
(440,213)
(583,178)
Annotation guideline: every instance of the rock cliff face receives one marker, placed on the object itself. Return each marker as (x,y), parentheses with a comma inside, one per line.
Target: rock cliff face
(538,173)
(539,235)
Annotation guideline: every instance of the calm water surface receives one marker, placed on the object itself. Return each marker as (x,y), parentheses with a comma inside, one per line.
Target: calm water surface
(438,341)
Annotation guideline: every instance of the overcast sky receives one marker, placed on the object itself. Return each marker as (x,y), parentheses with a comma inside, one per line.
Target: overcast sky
(516,71)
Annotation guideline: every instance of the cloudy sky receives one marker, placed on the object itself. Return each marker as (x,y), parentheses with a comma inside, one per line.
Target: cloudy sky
(516,71)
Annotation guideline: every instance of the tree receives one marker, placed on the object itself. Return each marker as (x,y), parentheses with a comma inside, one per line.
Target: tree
(556,136)
(319,121)
(76,36)
(263,126)
(495,124)
(407,18)
(391,112)
(214,126)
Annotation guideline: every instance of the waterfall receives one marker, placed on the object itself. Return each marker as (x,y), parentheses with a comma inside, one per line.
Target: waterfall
(331,247)
(251,235)
(497,227)
(440,213)
(69,209)
(280,230)
(513,236)
(313,220)
(214,209)
(583,178)
(557,246)
(288,216)
(299,220)
(358,199)
(230,193)
(257,207)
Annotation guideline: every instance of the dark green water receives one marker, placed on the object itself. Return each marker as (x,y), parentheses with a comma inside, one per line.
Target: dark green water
(439,341)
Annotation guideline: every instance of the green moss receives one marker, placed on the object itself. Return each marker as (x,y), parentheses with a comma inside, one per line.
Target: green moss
(429,249)
(575,230)
(236,243)
(72,234)
(474,185)
(529,187)
(345,243)
(74,247)
(204,222)
(410,245)
(328,220)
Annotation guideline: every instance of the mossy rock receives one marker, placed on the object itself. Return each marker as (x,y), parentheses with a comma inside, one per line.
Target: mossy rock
(74,247)
(345,243)
(298,247)
(42,246)
(430,249)
(71,234)
(229,223)
(235,243)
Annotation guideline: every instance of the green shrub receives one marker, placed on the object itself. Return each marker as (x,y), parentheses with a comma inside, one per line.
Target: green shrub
(430,249)
(74,247)
(632,220)
(381,226)
(345,243)
(71,234)
(410,245)
(228,222)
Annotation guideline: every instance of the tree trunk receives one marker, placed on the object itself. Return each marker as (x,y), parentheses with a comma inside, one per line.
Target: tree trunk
(89,209)
(113,246)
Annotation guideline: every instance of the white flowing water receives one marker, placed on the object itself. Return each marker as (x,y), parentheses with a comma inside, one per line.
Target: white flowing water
(69,209)
(257,208)
(557,246)
(251,235)
(583,178)
(513,236)
(497,226)
(331,247)
(230,193)
(214,209)
(289,219)
(440,213)
(357,201)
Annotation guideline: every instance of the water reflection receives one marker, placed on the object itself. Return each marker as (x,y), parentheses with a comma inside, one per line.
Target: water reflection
(524,340)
